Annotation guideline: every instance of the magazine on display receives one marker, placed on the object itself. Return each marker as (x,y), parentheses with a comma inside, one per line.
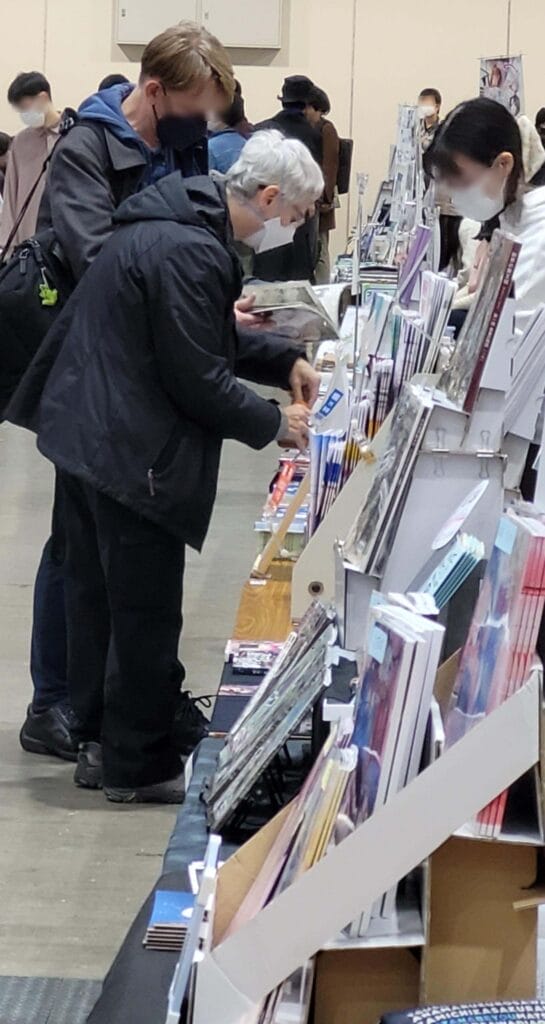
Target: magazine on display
(368,538)
(411,269)
(436,297)
(524,398)
(500,649)
(286,694)
(446,572)
(393,705)
(461,379)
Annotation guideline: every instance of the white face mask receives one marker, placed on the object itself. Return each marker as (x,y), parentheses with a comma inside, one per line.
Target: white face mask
(426,112)
(273,235)
(33,118)
(474,203)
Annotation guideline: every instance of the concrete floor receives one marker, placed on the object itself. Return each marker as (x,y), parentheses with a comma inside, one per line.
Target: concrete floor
(73,868)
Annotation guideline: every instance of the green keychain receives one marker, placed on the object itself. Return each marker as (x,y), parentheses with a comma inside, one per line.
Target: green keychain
(48,296)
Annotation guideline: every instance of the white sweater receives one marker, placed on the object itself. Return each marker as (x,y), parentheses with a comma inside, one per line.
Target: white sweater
(526,220)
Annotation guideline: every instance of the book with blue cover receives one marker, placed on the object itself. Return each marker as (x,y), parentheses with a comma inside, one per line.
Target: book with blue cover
(169,920)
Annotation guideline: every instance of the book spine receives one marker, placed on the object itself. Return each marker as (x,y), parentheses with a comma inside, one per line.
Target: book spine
(503,292)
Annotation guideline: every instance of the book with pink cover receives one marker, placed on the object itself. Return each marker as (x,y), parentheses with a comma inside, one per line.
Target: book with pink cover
(500,648)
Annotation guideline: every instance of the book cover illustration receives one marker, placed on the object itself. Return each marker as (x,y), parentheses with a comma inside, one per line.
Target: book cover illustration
(377,694)
(279,704)
(410,418)
(500,649)
(460,380)
(483,673)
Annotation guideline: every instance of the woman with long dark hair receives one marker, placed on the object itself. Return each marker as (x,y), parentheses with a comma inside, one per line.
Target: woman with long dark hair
(478,155)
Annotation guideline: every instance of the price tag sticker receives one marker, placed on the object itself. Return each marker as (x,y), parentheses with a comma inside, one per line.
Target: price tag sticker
(378,641)
(506,535)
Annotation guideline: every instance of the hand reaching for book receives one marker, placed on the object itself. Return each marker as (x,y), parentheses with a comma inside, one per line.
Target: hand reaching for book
(304,382)
(294,427)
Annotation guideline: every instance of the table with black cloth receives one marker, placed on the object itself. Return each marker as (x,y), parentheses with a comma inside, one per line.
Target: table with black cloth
(136,987)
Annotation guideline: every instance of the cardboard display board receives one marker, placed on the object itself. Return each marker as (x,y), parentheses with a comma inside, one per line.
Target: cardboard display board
(358,986)
(244,968)
(480,947)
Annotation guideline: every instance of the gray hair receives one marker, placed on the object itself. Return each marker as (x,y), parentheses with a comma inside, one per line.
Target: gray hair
(269,158)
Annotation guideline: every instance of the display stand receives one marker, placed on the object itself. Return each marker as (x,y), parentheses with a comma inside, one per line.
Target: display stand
(314,572)
(239,972)
(447,464)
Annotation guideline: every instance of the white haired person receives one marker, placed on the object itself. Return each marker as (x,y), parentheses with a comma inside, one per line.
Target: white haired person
(142,387)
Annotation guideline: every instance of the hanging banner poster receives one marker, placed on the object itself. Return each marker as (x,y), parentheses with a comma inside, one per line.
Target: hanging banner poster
(501,80)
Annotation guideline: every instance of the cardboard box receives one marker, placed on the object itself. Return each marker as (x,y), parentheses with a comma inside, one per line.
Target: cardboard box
(480,947)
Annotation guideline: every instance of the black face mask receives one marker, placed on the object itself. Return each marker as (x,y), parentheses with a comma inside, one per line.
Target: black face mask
(176,131)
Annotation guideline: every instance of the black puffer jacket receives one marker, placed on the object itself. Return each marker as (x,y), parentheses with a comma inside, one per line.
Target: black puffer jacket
(142,388)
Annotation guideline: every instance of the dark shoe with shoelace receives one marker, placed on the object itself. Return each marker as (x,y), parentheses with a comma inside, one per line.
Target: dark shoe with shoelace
(190,725)
(88,774)
(49,732)
(170,792)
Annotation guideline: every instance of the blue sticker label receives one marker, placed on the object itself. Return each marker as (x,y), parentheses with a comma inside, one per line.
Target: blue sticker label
(378,641)
(330,404)
(507,532)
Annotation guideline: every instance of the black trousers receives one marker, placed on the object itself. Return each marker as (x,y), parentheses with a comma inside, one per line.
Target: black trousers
(123,580)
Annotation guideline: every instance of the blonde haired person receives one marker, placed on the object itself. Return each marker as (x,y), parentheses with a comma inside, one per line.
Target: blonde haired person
(129,136)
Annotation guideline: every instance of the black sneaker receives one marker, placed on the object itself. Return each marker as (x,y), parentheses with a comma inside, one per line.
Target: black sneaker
(170,792)
(190,725)
(48,732)
(88,773)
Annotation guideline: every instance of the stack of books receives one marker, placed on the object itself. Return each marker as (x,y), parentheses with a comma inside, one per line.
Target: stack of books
(500,649)
(169,921)
(447,571)
(392,709)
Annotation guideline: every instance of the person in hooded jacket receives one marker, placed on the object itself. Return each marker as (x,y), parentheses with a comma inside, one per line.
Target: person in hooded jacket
(140,391)
(121,140)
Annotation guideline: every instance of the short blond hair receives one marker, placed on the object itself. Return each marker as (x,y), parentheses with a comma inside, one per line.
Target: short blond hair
(186,56)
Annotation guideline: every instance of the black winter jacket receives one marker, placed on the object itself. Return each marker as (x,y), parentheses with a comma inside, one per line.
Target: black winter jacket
(142,388)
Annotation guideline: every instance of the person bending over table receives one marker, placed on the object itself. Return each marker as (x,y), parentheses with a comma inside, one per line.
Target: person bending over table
(141,389)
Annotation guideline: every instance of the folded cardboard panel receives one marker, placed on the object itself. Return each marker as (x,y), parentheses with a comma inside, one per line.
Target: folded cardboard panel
(241,970)
(480,947)
(358,986)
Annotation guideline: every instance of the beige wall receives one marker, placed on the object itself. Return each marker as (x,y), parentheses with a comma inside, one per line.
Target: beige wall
(369,55)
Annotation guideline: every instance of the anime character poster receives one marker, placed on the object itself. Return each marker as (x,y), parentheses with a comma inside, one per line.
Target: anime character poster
(501,79)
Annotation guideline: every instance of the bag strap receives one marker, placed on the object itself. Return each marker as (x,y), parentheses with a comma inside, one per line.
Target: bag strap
(23,210)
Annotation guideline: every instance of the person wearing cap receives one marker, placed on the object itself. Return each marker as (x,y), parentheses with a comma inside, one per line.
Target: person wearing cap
(297,261)
(291,120)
